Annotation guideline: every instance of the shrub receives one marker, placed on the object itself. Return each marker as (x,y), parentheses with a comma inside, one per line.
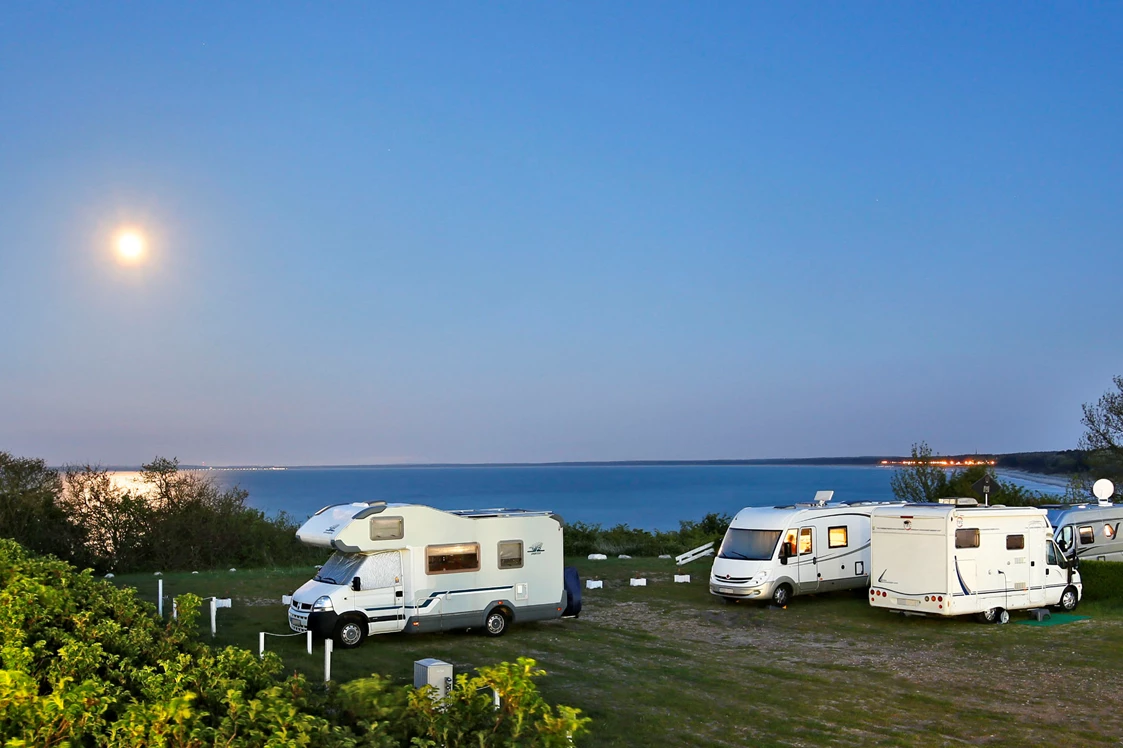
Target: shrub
(85,663)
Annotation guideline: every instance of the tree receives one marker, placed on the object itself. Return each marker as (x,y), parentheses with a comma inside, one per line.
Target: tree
(1103,435)
(29,510)
(921,480)
(116,520)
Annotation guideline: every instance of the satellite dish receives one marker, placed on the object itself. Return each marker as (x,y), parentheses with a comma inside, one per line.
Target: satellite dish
(1103,489)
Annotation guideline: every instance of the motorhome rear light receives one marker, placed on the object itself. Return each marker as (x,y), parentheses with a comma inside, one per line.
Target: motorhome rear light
(940,598)
(941,607)
(925,598)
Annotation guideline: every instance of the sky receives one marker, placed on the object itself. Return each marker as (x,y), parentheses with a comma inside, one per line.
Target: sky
(507,232)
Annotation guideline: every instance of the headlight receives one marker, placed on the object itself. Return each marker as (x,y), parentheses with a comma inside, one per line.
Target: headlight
(323,604)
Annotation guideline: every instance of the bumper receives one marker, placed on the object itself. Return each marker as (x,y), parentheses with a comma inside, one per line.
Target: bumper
(741,591)
(321,624)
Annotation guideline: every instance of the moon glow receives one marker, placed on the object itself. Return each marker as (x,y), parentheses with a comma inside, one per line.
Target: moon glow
(130,247)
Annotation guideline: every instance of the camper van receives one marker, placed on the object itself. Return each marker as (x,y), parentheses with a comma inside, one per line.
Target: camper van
(1088,530)
(775,553)
(407,567)
(958,558)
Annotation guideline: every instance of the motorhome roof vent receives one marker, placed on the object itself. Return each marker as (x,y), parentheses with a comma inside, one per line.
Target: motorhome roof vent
(958,501)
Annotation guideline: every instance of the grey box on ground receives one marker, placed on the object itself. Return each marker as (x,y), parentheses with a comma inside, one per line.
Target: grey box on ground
(435,673)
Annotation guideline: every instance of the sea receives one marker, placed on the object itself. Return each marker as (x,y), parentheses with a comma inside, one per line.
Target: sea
(650,497)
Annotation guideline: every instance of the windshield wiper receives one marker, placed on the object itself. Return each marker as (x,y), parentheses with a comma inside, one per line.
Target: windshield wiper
(329,580)
(728,554)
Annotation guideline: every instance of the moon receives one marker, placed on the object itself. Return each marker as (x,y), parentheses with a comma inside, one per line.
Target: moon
(130,246)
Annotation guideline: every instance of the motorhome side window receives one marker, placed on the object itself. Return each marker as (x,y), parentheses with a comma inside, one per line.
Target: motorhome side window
(510,554)
(1015,542)
(967,538)
(387,528)
(445,559)
(1087,535)
(836,537)
(1109,531)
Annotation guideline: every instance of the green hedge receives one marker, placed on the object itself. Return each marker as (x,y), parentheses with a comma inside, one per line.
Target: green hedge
(1103,583)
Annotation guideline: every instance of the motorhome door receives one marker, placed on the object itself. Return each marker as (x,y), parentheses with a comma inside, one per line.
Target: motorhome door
(807,562)
(1037,568)
(379,592)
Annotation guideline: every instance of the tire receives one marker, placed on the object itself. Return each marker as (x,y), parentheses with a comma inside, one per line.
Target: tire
(350,633)
(782,595)
(989,616)
(496,623)
(1069,599)
(1003,616)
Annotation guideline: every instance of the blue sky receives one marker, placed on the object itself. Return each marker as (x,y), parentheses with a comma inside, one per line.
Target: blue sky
(523,232)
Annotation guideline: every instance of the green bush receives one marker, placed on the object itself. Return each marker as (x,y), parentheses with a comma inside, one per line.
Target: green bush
(582,539)
(83,663)
(1103,583)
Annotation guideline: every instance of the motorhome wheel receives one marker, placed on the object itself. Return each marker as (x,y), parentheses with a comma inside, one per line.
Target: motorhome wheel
(1069,599)
(1003,616)
(989,616)
(350,633)
(496,623)
(782,595)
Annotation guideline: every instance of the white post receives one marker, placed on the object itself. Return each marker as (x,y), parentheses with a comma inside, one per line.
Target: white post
(214,615)
(175,610)
(160,597)
(261,645)
(309,641)
(327,660)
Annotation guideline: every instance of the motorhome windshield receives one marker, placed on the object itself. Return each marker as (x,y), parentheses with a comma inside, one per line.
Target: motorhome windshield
(751,545)
(341,568)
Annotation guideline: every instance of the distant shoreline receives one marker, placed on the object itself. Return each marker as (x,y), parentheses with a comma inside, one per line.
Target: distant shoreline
(862,461)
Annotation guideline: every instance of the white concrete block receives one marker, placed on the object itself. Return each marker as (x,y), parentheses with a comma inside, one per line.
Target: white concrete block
(682,579)
(638,582)
(623,555)
(594,584)
(597,557)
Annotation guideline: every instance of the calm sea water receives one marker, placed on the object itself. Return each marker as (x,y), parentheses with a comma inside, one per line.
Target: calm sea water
(649,497)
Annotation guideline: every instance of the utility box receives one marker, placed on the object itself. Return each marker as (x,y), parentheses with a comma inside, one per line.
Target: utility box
(435,673)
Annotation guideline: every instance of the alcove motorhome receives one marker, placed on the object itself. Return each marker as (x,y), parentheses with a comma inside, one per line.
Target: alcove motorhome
(957,558)
(407,567)
(775,553)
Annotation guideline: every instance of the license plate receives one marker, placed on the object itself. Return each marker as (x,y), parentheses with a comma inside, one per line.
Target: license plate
(728,590)
(906,601)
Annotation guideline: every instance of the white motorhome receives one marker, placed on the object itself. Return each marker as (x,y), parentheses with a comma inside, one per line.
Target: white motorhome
(958,558)
(1088,530)
(406,567)
(775,553)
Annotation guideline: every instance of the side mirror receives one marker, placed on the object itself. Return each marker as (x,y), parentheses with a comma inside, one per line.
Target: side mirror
(784,553)
(356,584)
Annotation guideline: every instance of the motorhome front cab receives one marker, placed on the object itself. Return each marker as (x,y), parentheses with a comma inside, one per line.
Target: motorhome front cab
(1088,530)
(957,559)
(775,553)
(415,568)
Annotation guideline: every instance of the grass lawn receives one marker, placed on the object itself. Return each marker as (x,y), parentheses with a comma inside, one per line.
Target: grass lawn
(670,665)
